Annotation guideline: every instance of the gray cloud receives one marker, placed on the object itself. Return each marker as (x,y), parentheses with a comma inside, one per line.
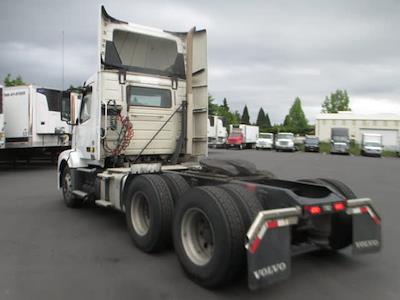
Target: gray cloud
(261,53)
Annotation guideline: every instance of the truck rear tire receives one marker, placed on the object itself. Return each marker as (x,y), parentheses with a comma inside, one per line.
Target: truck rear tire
(208,235)
(342,223)
(70,199)
(177,185)
(149,210)
(246,202)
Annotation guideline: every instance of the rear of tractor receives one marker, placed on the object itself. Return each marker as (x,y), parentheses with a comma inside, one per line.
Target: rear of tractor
(221,224)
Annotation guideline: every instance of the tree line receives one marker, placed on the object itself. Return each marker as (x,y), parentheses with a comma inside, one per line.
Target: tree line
(295,121)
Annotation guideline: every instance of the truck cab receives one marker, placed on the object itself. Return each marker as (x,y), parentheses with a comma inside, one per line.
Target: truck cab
(340,141)
(137,103)
(265,141)
(371,144)
(285,142)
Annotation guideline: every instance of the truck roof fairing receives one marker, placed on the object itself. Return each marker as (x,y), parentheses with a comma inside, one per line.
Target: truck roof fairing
(136,48)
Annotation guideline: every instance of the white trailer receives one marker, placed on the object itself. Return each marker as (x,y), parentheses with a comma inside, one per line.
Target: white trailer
(2,133)
(32,122)
(371,144)
(242,136)
(137,144)
(216,132)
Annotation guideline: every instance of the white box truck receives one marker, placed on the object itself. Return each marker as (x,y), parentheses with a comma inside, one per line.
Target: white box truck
(2,133)
(371,144)
(32,122)
(216,132)
(242,136)
(139,146)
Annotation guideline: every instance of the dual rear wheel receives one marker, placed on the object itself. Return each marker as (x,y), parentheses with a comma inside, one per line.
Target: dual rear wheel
(207,224)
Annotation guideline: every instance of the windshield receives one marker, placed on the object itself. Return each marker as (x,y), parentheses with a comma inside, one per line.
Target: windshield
(312,140)
(343,139)
(372,144)
(287,136)
(265,136)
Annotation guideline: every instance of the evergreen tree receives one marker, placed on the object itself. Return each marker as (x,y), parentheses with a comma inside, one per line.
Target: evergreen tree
(337,101)
(296,120)
(267,121)
(261,120)
(225,105)
(245,116)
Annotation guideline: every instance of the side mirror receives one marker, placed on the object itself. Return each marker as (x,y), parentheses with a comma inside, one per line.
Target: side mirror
(68,107)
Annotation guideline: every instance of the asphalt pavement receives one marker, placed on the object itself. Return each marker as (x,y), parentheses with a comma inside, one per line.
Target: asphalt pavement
(48,251)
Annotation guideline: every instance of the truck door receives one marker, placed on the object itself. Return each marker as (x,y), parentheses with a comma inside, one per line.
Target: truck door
(16,114)
(87,137)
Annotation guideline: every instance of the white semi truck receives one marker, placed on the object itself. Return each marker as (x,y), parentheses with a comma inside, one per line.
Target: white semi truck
(216,132)
(32,122)
(139,146)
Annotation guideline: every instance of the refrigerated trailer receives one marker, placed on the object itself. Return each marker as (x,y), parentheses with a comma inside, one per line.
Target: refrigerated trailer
(32,122)
(140,145)
(216,132)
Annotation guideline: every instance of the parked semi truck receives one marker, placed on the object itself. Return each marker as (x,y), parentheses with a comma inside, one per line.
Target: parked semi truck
(242,136)
(340,140)
(265,141)
(140,145)
(32,122)
(216,132)
(371,144)
(285,142)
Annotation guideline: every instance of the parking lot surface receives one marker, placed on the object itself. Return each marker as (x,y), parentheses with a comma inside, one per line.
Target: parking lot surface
(48,251)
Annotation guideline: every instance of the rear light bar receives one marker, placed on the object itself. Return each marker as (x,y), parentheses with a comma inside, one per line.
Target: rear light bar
(339,206)
(313,210)
(316,209)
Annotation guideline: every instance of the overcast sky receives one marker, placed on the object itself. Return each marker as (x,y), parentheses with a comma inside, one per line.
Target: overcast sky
(261,53)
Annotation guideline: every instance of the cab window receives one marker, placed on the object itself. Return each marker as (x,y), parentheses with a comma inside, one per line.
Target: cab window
(150,97)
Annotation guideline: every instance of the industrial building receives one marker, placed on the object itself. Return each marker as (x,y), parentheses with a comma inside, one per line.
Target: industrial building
(388,125)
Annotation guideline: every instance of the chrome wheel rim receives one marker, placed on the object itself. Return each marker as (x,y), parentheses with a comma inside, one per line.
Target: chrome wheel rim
(140,213)
(197,235)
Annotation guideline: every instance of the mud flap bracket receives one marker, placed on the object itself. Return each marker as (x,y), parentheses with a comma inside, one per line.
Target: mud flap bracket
(367,237)
(268,246)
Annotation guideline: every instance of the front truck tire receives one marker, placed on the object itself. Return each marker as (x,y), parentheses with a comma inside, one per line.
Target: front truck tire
(70,199)
(149,210)
(208,235)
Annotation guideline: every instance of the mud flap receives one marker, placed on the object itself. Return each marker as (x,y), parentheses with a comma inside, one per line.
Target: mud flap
(367,237)
(268,246)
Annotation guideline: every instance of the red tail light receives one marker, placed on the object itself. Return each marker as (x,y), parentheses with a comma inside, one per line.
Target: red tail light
(314,210)
(339,206)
